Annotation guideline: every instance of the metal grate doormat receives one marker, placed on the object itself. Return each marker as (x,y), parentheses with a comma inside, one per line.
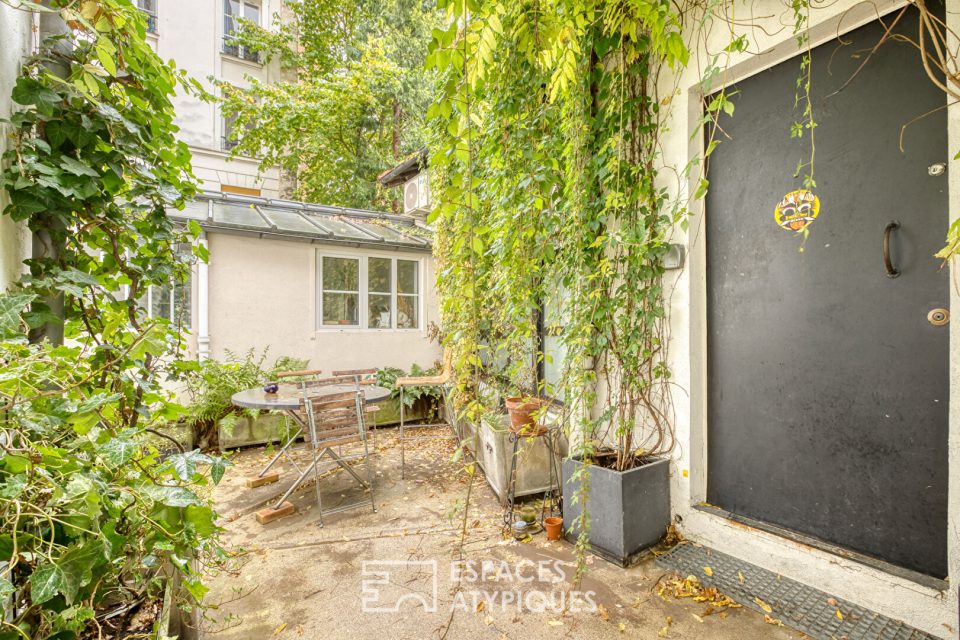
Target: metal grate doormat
(796,605)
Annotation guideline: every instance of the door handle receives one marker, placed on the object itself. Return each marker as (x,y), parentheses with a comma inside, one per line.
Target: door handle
(892,272)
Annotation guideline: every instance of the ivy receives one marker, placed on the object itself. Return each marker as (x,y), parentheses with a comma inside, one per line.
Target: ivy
(90,509)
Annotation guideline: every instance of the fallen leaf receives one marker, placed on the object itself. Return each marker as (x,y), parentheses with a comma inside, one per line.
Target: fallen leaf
(622,627)
(279,629)
(773,621)
(763,605)
(839,615)
(602,610)
(555,623)
(708,571)
(481,606)
(697,618)
(740,577)
(832,602)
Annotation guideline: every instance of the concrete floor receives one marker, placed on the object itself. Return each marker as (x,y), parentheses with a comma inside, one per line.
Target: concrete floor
(293,579)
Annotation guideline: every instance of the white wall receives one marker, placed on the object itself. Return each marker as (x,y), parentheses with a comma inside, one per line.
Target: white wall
(923,607)
(16,41)
(191,33)
(263,292)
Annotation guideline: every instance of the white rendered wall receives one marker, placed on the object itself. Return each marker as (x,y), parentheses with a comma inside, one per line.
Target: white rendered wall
(263,293)
(928,609)
(191,33)
(16,41)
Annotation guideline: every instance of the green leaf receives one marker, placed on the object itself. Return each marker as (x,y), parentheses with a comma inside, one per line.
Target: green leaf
(48,580)
(11,308)
(78,168)
(118,451)
(172,496)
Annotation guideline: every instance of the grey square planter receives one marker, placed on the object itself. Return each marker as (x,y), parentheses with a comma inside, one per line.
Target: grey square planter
(629,511)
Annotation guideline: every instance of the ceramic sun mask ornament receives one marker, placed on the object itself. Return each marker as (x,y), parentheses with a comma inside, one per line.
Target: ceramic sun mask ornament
(797,210)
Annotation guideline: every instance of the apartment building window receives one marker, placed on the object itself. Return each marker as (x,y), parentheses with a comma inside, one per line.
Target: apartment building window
(228,141)
(233,10)
(369,292)
(149,7)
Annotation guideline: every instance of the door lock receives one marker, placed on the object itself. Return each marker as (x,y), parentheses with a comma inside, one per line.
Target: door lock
(938,317)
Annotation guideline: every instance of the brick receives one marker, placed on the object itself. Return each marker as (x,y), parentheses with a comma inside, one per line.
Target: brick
(257,481)
(266,516)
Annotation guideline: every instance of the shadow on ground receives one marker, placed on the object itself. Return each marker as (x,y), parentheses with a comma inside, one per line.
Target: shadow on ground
(393,574)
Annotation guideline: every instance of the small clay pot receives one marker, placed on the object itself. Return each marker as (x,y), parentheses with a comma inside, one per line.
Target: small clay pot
(521,412)
(554,527)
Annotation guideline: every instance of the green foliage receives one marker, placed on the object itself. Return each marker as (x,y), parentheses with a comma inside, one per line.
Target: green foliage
(387,378)
(546,147)
(89,509)
(211,384)
(357,102)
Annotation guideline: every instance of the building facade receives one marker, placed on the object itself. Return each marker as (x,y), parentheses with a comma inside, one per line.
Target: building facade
(197,36)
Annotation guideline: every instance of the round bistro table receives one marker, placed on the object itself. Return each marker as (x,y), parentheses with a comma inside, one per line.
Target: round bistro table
(288,396)
(287,399)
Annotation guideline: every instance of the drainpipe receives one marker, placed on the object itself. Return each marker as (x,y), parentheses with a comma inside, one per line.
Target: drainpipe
(47,241)
(203,304)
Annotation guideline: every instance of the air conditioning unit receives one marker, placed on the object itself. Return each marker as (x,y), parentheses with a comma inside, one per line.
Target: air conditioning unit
(416,195)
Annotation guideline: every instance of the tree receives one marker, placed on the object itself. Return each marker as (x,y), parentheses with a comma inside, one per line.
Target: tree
(355,101)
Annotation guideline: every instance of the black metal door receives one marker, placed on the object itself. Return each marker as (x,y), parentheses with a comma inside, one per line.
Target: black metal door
(828,384)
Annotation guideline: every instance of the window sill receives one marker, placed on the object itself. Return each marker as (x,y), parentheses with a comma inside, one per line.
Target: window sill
(239,60)
(348,329)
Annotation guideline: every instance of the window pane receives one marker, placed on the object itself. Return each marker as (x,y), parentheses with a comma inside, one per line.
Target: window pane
(231,8)
(341,274)
(408,308)
(378,315)
(252,13)
(378,275)
(182,302)
(407,278)
(341,308)
(160,307)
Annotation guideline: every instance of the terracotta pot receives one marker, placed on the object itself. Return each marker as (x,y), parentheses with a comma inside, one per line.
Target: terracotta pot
(554,527)
(521,418)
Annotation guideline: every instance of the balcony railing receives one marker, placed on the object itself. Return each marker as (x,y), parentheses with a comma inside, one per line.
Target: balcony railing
(230,47)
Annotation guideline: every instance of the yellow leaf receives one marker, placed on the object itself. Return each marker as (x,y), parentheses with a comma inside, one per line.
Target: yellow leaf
(708,571)
(740,577)
(774,621)
(763,605)
(622,627)
(697,618)
(839,615)
(279,629)
(602,610)
(555,623)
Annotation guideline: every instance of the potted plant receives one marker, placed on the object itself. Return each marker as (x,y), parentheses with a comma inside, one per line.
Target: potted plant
(624,489)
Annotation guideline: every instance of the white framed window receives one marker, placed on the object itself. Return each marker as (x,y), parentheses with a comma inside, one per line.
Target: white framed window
(149,7)
(232,10)
(368,292)
(171,302)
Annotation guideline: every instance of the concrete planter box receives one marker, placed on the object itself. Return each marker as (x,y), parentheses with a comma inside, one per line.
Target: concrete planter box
(629,511)
(268,427)
(173,621)
(495,450)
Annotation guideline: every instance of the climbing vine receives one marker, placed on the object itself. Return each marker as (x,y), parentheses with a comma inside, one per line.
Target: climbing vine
(550,188)
(90,510)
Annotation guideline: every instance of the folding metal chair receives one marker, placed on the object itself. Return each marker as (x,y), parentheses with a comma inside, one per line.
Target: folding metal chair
(333,420)
(441,381)
(307,375)
(365,376)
